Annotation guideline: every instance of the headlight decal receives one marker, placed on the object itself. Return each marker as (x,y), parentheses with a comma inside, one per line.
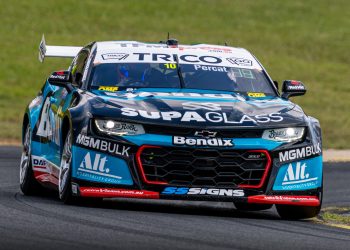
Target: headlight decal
(284,134)
(119,128)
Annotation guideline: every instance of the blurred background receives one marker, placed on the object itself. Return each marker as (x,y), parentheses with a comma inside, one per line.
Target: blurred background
(294,39)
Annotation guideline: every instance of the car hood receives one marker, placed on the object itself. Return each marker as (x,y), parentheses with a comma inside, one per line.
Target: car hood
(193,108)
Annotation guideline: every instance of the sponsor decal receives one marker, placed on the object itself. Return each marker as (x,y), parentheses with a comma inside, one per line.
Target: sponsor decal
(284,134)
(62,77)
(298,153)
(42,50)
(185,58)
(273,133)
(49,122)
(45,124)
(256,94)
(201,105)
(108,88)
(171,94)
(192,116)
(139,45)
(128,127)
(203,191)
(285,199)
(205,48)
(162,57)
(256,155)
(205,133)
(119,128)
(102,145)
(115,56)
(37,161)
(211,142)
(297,174)
(288,198)
(212,56)
(301,175)
(99,167)
(113,192)
(40,164)
(296,87)
(210,68)
(240,61)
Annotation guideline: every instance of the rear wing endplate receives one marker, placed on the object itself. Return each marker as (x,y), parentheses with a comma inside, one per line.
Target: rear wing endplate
(56,51)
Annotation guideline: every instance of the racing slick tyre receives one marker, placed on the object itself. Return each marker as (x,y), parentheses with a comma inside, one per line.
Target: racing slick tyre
(251,207)
(28,183)
(290,212)
(65,174)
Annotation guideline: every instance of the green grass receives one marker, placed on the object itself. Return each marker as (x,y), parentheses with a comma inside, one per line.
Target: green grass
(336,215)
(302,40)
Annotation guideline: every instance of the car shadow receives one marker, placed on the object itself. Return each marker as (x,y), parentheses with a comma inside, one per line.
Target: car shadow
(198,208)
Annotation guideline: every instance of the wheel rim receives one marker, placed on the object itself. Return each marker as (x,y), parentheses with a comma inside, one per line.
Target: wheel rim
(65,165)
(25,158)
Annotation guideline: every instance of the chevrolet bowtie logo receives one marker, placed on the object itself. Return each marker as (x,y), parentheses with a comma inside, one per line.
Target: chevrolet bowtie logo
(205,133)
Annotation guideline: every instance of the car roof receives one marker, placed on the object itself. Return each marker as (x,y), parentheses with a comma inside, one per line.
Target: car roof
(111,45)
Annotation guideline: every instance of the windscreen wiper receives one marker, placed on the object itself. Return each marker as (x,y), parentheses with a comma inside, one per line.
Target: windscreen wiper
(179,73)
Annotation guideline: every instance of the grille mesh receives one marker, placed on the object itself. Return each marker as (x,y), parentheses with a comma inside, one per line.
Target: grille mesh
(203,167)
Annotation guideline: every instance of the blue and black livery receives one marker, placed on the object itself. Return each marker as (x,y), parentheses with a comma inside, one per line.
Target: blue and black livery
(117,125)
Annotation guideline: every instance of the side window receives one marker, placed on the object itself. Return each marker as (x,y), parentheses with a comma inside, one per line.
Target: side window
(77,67)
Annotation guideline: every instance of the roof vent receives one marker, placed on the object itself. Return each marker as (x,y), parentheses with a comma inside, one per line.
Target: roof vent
(172,42)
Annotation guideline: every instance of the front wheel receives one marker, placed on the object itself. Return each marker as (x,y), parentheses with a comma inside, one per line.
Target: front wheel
(290,212)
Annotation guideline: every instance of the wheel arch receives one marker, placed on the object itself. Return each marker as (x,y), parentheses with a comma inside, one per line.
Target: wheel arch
(25,123)
(66,126)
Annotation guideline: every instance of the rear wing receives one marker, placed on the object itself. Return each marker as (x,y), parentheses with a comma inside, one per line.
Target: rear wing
(56,51)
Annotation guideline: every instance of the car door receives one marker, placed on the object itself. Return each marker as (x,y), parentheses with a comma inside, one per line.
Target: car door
(62,101)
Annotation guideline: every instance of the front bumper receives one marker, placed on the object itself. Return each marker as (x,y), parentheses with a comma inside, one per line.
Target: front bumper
(118,169)
(297,200)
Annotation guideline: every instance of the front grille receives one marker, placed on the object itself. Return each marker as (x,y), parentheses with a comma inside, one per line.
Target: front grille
(203,167)
(183,131)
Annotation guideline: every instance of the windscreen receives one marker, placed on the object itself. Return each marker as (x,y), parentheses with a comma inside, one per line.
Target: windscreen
(167,75)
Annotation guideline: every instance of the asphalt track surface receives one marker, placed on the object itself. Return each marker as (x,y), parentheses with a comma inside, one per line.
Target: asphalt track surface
(45,223)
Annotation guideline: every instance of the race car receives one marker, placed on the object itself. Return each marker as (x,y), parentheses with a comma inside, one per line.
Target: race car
(171,121)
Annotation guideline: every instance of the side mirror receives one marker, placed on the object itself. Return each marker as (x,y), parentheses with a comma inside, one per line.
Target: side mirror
(292,88)
(61,79)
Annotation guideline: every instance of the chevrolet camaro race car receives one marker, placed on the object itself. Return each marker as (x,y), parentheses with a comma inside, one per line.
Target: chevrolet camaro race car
(170,121)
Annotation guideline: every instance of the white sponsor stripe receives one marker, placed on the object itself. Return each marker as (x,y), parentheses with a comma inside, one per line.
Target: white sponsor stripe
(44,170)
(39,166)
(301,181)
(97,173)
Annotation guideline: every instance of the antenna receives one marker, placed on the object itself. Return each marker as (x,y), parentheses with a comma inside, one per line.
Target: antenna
(166,39)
